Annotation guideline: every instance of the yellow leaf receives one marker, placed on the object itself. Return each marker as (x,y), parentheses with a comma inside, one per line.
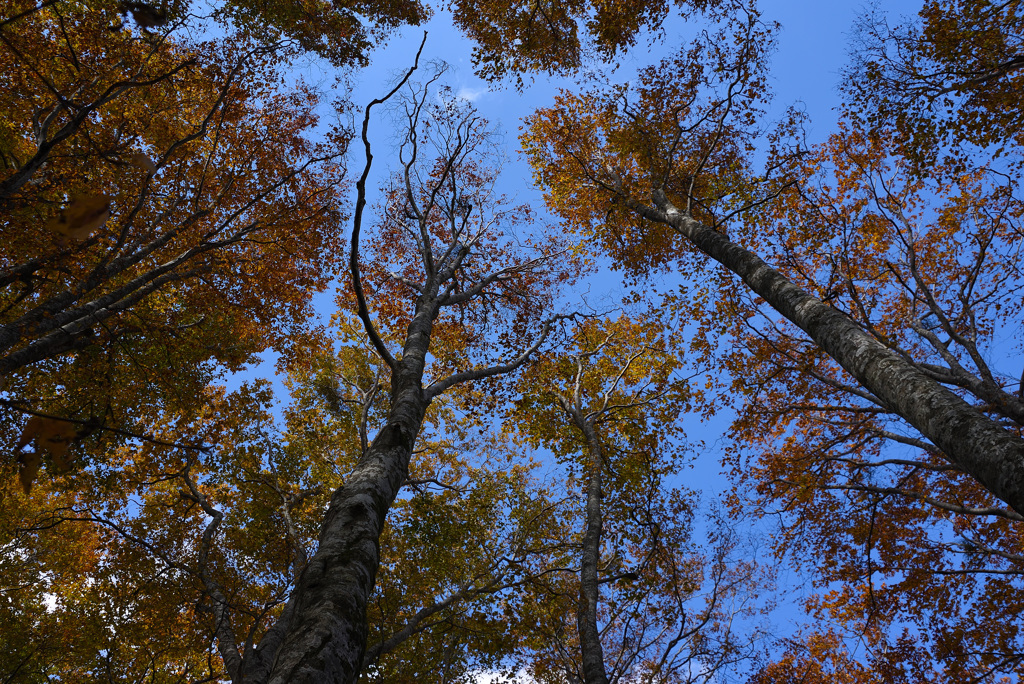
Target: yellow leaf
(85,214)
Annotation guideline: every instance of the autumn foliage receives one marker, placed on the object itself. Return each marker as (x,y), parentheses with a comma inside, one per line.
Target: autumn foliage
(472,469)
(928,266)
(894,530)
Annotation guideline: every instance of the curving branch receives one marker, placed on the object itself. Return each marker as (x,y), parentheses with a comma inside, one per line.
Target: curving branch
(363,310)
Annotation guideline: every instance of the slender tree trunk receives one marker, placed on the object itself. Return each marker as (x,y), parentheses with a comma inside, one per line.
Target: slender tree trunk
(970,440)
(586,611)
(326,638)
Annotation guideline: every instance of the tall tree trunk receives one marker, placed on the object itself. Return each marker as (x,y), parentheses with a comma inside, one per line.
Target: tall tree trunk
(970,440)
(586,612)
(326,638)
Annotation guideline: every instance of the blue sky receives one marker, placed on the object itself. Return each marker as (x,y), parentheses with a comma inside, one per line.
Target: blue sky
(812,49)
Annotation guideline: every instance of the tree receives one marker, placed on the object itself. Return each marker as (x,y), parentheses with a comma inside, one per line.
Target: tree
(462,281)
(114,562)
(945,82)
(201,224)
(682,143)
(179,549)
(342,33)
(928,267)
(148,239)
(608,407)
(458,561)
(887,299)
(818,659)
(469,531)
(155,244)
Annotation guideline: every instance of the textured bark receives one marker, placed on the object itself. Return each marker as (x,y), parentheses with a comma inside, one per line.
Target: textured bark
(970,440)
(326,639)
(586,612)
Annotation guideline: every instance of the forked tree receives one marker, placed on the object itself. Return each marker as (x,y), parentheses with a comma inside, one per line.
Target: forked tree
(445,265)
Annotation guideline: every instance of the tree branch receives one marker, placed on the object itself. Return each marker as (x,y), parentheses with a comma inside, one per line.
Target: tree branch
(357,221)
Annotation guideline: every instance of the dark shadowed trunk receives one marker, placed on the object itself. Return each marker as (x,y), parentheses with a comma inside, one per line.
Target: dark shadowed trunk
(327,635)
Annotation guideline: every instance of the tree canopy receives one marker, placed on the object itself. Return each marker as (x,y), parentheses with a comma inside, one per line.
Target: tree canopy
(488,459)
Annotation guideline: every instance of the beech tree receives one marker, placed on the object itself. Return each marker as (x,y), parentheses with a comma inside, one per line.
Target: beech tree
(156,227)
(233,222)
(820,658)
(664,172)
(110,561)
(514,40)
(144,567)
(167,215)
(928,267)
(343,34)
(471,530)
(646,601)
(460,278)
(458,560)
(231,218)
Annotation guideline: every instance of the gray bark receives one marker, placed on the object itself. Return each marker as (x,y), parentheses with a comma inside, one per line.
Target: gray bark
(586,612)
(970,440)
(327,636)
(324,637)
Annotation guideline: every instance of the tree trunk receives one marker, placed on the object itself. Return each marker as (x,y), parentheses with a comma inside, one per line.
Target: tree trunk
(586,611)
(326,638)
(970,440)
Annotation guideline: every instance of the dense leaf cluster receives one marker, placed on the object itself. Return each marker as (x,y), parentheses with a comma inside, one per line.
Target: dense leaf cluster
(471,472)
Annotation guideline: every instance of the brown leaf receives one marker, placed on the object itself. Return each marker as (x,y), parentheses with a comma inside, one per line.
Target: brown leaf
(144,14)
(28,462)
(142,161)
(51,435)
(85,214)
